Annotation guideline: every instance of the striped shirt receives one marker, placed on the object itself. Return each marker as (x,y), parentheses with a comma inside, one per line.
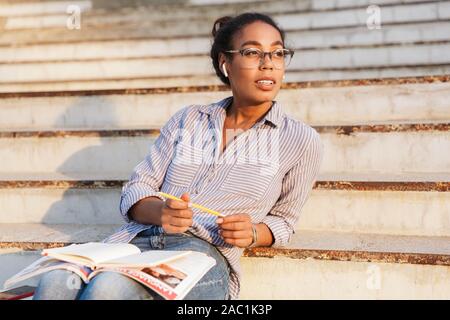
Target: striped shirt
(267,171)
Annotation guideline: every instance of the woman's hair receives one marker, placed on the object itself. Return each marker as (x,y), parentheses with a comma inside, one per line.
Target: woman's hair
(224,30)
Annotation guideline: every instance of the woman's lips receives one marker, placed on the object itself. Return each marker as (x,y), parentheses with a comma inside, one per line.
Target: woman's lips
(265,86)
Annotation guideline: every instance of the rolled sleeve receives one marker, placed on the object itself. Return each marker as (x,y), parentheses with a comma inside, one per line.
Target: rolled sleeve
(297,186)
(148,175)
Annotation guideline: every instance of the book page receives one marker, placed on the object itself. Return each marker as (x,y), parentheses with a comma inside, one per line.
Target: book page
(92,253)
(145,278)
(46,264)
(145,259)
(195,266)
(172,280)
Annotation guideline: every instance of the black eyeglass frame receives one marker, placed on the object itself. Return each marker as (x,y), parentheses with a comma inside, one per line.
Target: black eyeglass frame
(262,55)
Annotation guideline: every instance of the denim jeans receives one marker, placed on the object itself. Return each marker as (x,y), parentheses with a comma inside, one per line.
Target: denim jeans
(65,285)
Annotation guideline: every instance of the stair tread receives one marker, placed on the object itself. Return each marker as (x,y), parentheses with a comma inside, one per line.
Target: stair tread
(347,241)
(358,176)
(391,126)
(309,243)
(53,233)
(428,80)
(208,82)
(80,130)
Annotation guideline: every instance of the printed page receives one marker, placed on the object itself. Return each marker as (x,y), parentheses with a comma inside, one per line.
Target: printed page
(194,266)
(144,259)
(145,278)
(46,264)
(172,280)
(92,253)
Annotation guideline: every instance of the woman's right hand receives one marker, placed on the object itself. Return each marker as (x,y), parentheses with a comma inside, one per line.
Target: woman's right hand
(176,216)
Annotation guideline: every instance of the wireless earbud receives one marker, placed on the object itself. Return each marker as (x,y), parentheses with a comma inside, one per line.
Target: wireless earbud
(224,70)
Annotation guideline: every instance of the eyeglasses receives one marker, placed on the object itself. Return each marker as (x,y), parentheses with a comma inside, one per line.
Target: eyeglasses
(253,57)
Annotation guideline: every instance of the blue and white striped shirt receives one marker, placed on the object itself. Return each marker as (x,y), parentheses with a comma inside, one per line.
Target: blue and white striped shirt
(268,172)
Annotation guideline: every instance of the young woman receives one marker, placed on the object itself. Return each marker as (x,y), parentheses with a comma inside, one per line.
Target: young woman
(249,161)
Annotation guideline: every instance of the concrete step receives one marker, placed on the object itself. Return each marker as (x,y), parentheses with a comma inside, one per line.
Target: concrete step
(336,74)
(310,61)
(413,148)
(384,204)
(187,26)
(349,266)
(359,266)
(19,243)
(289,16)
(41,8)
(155,9)
(14,260)
(400,100)
(61,201)
(302,41)
(177,8)
(75,152)
(30,236)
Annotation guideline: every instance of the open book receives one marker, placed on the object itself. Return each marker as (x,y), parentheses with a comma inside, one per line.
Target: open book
(171,274)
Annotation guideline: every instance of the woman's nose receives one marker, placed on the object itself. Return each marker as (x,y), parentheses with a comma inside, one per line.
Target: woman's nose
(266,63)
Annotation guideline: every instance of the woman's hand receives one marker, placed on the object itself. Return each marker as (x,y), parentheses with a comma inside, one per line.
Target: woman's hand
(176,216)
(236,229)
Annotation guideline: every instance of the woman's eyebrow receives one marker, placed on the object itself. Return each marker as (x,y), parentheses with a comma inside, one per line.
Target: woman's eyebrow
(259,44)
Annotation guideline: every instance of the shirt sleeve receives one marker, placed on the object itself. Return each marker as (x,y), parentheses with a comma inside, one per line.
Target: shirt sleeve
(148,175)
(297,185)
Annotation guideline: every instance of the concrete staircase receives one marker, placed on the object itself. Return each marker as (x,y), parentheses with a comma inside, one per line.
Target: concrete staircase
(377,224)
(131,46)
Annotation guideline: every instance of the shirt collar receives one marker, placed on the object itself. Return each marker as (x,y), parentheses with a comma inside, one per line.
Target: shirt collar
(274,116)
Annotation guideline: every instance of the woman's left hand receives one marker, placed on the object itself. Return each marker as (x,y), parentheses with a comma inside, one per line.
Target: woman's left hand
(236,229)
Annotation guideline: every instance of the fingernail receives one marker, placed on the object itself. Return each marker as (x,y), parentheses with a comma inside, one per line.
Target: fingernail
(189,204)
(220,220)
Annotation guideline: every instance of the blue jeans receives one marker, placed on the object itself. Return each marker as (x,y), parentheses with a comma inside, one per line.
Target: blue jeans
(65,285)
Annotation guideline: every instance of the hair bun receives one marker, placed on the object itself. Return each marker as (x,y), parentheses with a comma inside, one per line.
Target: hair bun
(219,23)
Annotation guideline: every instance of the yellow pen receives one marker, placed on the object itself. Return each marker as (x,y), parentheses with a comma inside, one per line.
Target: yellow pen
(193,204)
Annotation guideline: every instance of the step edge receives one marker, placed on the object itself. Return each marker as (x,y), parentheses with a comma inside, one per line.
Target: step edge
(429,79)
(437,125)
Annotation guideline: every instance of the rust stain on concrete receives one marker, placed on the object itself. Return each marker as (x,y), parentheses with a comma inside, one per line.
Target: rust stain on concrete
(357,256)
(383,128)
(31,246)
(340,130)
(55,184)
(268,252)
(219,88)
(443,186)
(367,82)
(81,133)
(320,185)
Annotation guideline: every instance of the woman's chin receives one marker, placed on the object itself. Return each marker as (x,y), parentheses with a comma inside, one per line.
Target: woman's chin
(258,96)
(264,96)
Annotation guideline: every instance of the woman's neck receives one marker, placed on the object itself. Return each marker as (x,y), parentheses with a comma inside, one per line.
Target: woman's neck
(241,113)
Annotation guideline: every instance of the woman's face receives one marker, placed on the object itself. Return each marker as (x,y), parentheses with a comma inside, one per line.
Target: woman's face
(243,80)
